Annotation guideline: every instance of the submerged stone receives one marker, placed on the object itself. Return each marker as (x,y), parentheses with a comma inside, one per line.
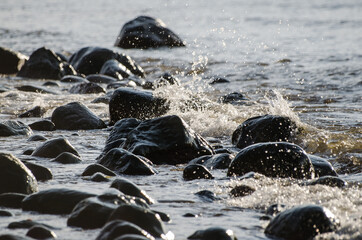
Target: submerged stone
(73,79)
(120,228)
(217,161)
(214,233)
(35,89)
(26,224)
(87,88)
(196,171)
(13,128)
(321,166)
(52,148)
(101,78)
(207,196)
(331,181)
(36,111)
(67,158)
(97,168)
(241,191)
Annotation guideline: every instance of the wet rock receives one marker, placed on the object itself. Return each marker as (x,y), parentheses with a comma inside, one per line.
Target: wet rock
(101,78)
(214,233)
(73,79)
(13,237)
(241,191)
(97,168)
(40,172)
(331,181)
(276,209)
(40,232)
(43,125)
(207,196)
(36,111)
(196,171)
(35,89)
(118,228)
(321,166)
(15,176)
(52,148)
(34,138)
(51,84)
(67,158)
(4,213)
(89,60)
(26,224)
(11,61)
(54,201)
(99,177)
(76,116)
(166,140)
(13,128)
(103,99)
(267,128)
(28,151)
(147,32)
(4,89)
(87,88)
(115,69)
(44,63)
(218,80)
(11,200)
(165,80)
(274,159)
(302,222)
(131,103)
(133,237)
(124,162)
(217,161)
(129,188)
(233,98)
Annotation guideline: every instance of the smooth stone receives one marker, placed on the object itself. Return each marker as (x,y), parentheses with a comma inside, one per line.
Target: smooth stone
(275,209)
(101,78)
(11,200)
(87,88)
(13,237)
(147,32)
(103,99)
(124,162)
(76,116)
(301,223)
(4,213)
(67,158)
(217,161)
(97,168)
(331,181)
(165,80)
(267,128)
(54,147)
(51,84)
(166,140)
(42,125)
(196,171)
(122,84)
(41,232)
(45,64)
(28,151)
(233,98)
(241,191)
(73,79)
(273,159)
(26,224)
(99,177)
(321,166)
(36,111)
(218,80)
(214,233)
(207,196)
(15,177)
(14,128)
(118,228)
(54,201)
(35,138)
(11,61)
(115,69)
(132,237)
(35,89)
(40,172)
(132,103)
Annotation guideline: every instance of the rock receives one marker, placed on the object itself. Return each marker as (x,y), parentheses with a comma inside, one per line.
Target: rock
(217,80)
(4,213)
(196,171)
(11,61)
(123,162)
(217,161)
(129,188)
(233,98)
(133,237)
(241,191)
(26,224)
(13,237)
(166,140)
(131,103)
(331,181)
(214,233)
(42,125)
(165,80)
(11,200)
(13,128)
(115,69)
(51,84)
(67,158)
(15,177)
(89,60)
(207,196)
(321,166)
(273,159)
(99,177)
(276,209)
(87,88)
(52,148)
(34,138)
(302,222)
(101,78)
(40,172)
(54,201)
(147,32)
(28,151)
(76,116)
(36,111)
(35,89)
(44,63)
(73,79)
(97,168)
(40,232)
(267,128)
(117,228)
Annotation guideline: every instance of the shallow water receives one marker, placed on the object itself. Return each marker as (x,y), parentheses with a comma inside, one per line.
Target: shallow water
(301,60)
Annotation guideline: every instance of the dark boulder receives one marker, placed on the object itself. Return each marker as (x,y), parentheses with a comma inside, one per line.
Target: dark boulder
(4,213)
(166,140)
(274,159)
(36,111)
(15,176)
(13,128)
(118,228)
(115,69)
(11,200)
(87,88)
(73,79)
(54,201)
(89,60)
(97,168)
(28,151)
(165,80)
(41,232)
(196,171)
(241,191)
(101,78)
(321,166)
(124,162)
(44,63)
(331,181)
(11,61)
(217,161)
(76,116)
(67,158)
(37,137)
(99,177)
(26,224)
(34,89)
(42,125)
(214,233)
(40,172)
(267,128)
(13,237)
(302,223)
(146,32)
(207,196)
(52,148)
(131,103)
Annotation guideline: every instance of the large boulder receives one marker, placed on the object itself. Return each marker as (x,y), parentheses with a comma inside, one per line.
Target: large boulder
(147,32)
(76,116)
(131,103)
(11,61)
(89,60)
(273,159)
(301,223)
(166,140)
(13,128)
(54,147)
(267,128)
(44,63)
(15,176)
